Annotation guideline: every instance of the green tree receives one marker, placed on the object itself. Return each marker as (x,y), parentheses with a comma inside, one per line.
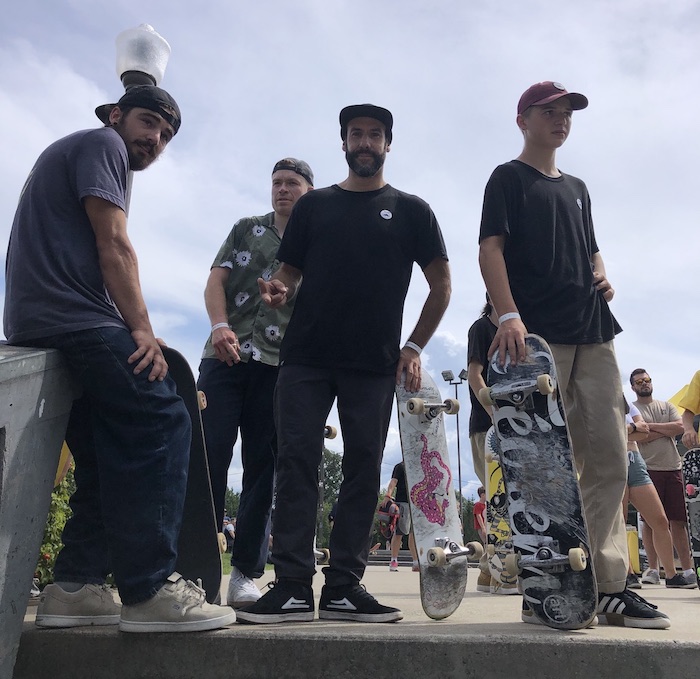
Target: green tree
(329,481)
(51,545)
(231,503)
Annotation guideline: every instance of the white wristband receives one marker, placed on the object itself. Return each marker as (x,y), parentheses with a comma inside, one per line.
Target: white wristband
(414,346)
(219,325)
(508,317)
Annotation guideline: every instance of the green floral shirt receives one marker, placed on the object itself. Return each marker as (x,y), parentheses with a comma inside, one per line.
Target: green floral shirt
(250,252)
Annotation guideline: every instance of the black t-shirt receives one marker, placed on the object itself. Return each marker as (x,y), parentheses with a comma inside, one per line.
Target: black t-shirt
(479,340)
(548,249)
(399,474)
(356,252)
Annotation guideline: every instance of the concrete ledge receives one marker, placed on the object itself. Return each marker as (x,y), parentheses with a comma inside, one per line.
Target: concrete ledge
(336,650)
(483,637)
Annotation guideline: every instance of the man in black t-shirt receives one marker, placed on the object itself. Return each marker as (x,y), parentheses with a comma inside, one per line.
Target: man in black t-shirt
(355,244)
(545,274)
(479,338)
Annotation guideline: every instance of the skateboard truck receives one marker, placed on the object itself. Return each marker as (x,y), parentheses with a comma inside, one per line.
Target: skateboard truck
(445,550)
(517,393)
(548,558)
(417,406)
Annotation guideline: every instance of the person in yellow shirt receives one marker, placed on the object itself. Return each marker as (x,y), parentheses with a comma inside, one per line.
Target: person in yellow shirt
(691,404)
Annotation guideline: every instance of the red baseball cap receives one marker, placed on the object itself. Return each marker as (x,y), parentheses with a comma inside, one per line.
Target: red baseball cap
(546,92)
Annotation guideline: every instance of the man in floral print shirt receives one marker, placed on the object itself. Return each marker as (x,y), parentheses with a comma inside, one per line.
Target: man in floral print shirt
(238,372)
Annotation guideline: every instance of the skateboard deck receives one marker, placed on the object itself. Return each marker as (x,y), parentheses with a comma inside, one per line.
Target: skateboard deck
(691,477)
(499,542)
(199,546)
(434,510)
(550,536)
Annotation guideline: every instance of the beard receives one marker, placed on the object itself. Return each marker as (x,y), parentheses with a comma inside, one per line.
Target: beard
(364,169)
(137,161)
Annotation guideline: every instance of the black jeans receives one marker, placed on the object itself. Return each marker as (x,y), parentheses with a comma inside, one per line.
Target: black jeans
(240,397)
(303,399)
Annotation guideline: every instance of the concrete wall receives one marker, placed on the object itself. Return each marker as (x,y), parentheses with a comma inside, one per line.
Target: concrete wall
(36,395)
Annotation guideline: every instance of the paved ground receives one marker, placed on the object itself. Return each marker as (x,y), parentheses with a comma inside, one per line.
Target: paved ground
(484,632)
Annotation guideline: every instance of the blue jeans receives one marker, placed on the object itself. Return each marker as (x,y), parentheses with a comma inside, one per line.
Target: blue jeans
(240,397)
(130,439)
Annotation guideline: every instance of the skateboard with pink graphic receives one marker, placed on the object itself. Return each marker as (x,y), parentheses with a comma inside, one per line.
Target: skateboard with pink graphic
(549,532)
(436,525)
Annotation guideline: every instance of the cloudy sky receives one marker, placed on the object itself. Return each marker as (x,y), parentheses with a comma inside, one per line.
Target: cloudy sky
(260,81)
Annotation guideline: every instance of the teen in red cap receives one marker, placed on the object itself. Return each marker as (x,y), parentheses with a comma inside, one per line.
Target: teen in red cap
(545,274)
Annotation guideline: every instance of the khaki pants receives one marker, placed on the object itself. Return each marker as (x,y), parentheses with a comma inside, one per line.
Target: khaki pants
(589,380)
(478,441)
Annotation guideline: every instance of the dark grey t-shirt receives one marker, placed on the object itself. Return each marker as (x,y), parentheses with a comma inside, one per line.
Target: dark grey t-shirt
(53,281)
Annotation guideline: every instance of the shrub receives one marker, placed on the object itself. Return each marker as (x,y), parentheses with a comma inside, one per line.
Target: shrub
(51,545)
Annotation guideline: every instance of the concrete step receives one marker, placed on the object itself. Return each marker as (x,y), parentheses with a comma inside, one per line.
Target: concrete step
(484,636)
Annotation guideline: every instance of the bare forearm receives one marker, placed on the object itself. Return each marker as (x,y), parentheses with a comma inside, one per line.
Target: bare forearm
(495,275)
(215,298)
(669,429)
(431,315)
(687,420)
(119,267)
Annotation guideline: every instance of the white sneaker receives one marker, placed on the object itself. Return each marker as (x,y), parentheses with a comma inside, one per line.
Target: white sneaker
(90,605)
(178,606)
(650,577)
(242,591)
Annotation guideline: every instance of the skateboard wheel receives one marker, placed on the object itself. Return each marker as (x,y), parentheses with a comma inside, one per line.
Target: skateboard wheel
(577,559)
(490,550)
(485,396)
(201,400)
(436,556)
(512,564)
(451,406)
(415,406)
(475,551)
(324,557)
(329,432)
(489,456)
(545,384)
(222,542)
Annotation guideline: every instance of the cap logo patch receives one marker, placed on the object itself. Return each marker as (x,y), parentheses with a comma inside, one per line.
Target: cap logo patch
(559,86)
(385,214)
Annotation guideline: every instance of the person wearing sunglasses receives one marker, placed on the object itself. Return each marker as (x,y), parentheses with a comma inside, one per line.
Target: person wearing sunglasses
(664,466)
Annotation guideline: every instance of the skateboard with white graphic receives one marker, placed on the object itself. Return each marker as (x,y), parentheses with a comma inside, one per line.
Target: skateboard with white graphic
(435,519)
(691,478)
(549,532)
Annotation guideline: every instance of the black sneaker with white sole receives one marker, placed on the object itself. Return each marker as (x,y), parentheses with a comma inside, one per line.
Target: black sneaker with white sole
(354,602)
(285,601)
(628,609)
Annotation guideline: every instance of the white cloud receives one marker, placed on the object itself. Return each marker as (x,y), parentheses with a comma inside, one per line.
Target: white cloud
(259,82)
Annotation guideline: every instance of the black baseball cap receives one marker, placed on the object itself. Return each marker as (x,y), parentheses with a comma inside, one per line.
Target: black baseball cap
(299,166)
(366,111)
(145,96)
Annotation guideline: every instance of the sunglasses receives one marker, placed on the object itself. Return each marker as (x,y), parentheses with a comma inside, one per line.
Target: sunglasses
(642,380)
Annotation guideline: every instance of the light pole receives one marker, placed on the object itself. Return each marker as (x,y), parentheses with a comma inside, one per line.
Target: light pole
(449,377)
(142,55)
